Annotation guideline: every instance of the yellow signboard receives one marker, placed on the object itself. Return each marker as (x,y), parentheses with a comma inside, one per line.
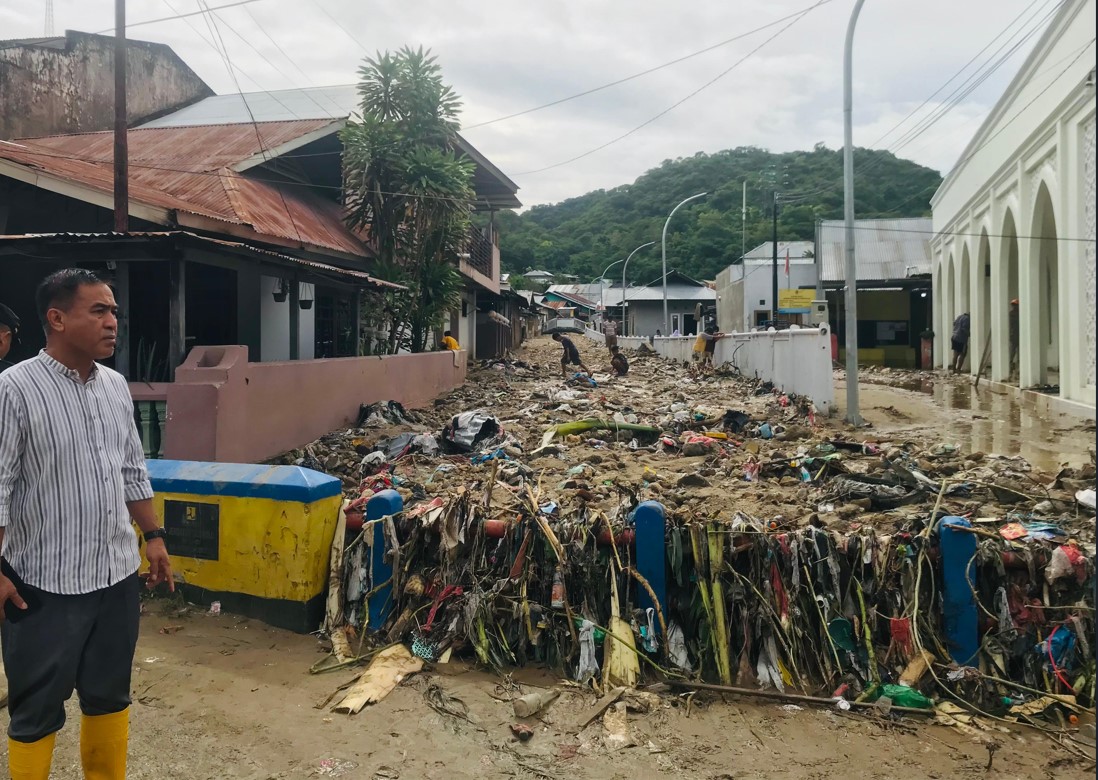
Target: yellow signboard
(794,301)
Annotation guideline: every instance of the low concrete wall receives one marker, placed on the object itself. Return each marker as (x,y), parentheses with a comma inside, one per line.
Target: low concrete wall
(797,360)
(223,408)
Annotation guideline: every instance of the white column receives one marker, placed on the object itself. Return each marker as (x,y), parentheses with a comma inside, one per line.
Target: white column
(1000,305)
(1029,304)
(1070,264)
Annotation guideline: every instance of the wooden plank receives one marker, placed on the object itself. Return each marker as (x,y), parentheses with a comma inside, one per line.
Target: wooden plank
(597,709)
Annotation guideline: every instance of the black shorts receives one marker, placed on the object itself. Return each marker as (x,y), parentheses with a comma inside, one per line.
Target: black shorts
(958,345)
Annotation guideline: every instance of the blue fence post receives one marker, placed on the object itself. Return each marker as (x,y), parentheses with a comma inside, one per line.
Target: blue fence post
(382,504)
(650,521)
(959,615)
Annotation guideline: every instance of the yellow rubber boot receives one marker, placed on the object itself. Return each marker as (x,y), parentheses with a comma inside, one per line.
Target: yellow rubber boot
(103,743)
(31,760)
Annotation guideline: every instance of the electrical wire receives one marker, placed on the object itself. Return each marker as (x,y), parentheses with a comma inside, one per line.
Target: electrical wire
(651,70)
(951,102)
(178,16)
(213,22)
(797,17)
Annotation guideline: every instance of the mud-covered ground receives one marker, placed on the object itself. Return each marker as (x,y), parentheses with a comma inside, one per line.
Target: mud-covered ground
(224,697)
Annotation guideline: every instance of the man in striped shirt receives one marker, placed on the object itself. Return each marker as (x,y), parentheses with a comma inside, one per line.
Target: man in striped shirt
(72,477)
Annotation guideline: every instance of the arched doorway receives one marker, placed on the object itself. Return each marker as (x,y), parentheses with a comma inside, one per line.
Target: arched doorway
(1008,265)
(1045,257)
(963,304)
(983,297)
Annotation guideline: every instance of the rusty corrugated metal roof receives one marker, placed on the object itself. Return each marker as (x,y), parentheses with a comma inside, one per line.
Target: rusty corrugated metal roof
(884,249)
(92,238)
(188,169)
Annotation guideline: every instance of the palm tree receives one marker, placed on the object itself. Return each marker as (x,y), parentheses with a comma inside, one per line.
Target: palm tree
(409,189)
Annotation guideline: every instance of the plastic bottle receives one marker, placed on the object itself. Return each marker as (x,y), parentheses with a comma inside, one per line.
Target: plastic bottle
(557,599)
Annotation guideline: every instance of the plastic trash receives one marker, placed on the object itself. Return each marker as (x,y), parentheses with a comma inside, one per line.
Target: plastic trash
(469,429)
(902,696)
(765,431)
(1086,498)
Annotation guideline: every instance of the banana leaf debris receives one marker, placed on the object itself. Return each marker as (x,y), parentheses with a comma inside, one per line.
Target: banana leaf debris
(800,558)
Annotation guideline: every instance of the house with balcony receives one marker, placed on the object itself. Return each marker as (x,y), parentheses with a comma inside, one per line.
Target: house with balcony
(241,287)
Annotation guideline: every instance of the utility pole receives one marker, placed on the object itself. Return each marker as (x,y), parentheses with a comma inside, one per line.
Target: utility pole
(743,223)
(853,415)
(774,291)
(121,153)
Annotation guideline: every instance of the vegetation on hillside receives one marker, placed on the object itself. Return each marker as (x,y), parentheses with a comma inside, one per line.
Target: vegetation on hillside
(583,235)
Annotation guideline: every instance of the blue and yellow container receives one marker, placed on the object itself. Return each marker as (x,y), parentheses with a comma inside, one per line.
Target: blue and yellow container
(256,538)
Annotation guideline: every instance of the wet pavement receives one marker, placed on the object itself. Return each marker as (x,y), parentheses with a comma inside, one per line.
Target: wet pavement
(987,418)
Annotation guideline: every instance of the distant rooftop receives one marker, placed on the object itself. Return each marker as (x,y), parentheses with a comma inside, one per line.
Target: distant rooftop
(883,248)
(338,102)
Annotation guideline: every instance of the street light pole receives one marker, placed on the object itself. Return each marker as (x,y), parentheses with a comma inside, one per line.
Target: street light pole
(625,268)
(853,415)
(602,278)
(666,321)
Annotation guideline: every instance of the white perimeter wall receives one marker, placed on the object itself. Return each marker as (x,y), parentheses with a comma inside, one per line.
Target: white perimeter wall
(797,360)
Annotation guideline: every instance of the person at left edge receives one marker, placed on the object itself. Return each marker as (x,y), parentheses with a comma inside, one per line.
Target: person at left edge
(9,332)
(72,476)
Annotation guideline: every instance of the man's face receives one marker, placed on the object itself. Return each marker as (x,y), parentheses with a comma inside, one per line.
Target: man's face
(5,341)
(89,326)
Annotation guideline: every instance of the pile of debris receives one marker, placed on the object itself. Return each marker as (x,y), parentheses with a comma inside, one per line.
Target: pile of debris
(797,558)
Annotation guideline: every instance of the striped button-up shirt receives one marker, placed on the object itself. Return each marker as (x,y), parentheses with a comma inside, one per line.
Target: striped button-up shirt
(70,459)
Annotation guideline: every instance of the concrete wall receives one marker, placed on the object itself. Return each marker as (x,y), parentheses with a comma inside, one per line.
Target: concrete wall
(646,317)
(797,360)
(730,309)
(223,408)
(274,325)
(68,85)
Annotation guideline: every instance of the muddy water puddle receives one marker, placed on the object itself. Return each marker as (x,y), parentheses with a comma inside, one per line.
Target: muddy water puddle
(984,419)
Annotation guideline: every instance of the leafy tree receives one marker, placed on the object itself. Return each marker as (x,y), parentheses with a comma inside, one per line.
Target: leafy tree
(409,189)
(584,234)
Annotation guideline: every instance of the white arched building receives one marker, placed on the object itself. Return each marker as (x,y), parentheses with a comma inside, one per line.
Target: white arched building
(1015,219)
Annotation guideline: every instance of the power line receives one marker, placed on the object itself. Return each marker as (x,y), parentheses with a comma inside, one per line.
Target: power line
(625,79)
(956,74)
(675,105)
(873,163)
(178,16)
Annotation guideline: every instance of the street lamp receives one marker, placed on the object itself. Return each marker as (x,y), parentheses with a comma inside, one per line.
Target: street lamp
(666,321)
(625,268)
(602,279)
(853,416)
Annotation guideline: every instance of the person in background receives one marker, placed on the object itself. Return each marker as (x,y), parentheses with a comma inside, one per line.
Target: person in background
(610,331)
(449,342)
(570,356)
(959,340)
(1013,329)
(619,362)
(9,332)
(72,484)
(710,335)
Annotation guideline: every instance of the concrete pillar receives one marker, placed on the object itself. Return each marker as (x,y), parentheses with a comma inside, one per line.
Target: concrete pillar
(1000,306)
(177,313)
(295,320)
(948,273)
(125,322)
(1029,308)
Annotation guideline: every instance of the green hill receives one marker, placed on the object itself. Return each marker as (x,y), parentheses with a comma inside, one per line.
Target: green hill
(583,235)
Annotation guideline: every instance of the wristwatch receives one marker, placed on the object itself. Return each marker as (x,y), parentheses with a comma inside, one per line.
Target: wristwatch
(156,533)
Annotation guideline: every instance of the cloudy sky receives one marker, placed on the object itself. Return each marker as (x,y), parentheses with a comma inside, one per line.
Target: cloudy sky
(504,56)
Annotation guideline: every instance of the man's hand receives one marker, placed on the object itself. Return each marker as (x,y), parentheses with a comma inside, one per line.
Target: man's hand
(8,594)
(160,566)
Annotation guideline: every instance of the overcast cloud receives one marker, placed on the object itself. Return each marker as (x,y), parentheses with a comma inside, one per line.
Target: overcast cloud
(504,56)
